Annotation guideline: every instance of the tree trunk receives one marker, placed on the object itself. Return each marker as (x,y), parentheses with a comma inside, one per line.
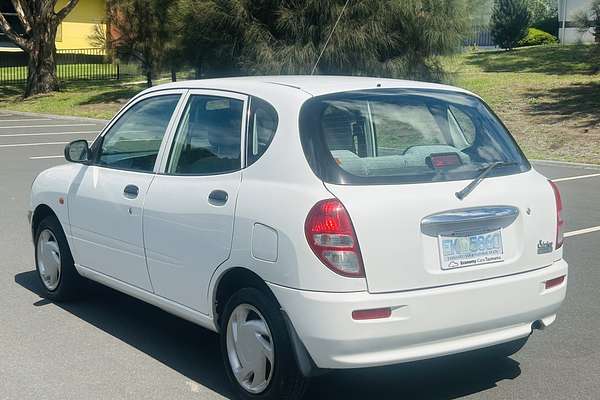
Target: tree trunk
(149,78)
(41,69)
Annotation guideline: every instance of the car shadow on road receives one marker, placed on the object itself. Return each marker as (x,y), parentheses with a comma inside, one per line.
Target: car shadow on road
(450,377)
(181,345)
(194,352)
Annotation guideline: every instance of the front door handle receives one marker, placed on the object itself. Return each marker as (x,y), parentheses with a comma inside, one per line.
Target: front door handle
(131,191)
(218,197)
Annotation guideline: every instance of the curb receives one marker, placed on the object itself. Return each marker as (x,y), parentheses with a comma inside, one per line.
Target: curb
(54,116)
(566,164)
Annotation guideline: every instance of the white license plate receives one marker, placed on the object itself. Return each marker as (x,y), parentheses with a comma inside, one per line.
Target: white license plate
(471,250)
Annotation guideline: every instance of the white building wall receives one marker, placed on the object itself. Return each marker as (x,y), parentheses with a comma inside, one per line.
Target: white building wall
(566,11)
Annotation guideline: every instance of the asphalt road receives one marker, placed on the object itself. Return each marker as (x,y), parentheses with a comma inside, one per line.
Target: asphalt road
(110,346)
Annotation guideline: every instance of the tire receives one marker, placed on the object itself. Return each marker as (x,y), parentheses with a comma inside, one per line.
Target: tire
(284,379)
(66,284)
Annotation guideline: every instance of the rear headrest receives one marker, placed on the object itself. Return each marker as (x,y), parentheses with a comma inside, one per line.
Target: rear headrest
(337,129)
(224,128)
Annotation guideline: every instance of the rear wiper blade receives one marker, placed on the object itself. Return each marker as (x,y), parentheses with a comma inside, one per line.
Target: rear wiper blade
(484,173)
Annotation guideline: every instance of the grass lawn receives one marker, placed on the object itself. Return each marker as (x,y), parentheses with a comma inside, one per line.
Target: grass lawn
(549,97)
(95,99)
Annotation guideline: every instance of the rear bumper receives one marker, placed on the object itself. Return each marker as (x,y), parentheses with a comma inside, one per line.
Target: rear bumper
(425,323)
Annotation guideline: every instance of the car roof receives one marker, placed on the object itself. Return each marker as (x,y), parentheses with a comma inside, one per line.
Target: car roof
(315,85)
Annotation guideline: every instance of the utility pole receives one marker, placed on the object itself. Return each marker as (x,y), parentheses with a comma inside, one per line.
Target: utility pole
(564,21)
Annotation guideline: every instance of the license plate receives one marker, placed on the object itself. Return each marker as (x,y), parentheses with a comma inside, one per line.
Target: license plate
(471,250)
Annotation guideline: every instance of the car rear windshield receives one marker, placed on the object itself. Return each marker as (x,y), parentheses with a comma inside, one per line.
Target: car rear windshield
(404,136)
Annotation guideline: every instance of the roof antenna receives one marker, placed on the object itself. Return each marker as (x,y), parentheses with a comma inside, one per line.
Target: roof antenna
(329,38)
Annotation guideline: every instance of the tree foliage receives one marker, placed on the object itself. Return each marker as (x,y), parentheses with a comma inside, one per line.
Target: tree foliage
(399,38)
(509,22)
(36,36)
(218,37)
(595,11)
(139,31)
(395,38)
(544,15)
(587,19)
(479,12)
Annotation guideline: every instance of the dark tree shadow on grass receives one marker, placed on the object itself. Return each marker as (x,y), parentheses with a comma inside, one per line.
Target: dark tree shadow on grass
(194,352)
(118,95)
(8,92)
(553,60)
(579,102)
(116,91)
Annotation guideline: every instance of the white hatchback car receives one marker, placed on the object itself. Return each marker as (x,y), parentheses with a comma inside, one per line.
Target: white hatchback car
(317,223)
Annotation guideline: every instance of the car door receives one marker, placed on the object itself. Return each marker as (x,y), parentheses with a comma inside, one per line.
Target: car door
(106,199)
(190,206)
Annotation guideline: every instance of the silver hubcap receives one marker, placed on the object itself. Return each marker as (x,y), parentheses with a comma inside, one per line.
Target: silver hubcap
(48,259)
(250,348)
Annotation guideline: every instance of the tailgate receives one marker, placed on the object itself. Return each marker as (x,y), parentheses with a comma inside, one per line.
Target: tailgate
(415,236)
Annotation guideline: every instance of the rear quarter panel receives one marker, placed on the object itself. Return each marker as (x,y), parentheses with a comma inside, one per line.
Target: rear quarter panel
(277,192)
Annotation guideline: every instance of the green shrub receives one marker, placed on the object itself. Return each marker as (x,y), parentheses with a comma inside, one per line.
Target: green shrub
(544,15)
(536,37)
(509,22)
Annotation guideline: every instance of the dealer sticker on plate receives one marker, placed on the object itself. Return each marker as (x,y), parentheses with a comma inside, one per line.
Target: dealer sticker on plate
(467,251)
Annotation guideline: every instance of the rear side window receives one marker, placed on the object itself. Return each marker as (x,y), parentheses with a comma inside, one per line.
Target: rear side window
(404,136)
(261,129)
(208,138)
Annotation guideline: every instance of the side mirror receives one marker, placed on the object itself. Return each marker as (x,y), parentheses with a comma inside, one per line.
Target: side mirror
(77,152)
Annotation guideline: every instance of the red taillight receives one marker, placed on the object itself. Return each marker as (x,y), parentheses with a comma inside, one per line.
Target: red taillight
(376,313)
(555,282)
(331,237)
(560,222)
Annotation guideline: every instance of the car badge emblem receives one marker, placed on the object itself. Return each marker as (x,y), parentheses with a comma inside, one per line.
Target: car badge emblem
(544,247)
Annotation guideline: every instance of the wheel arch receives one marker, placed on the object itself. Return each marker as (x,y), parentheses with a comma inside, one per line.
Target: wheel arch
(229,282)
(41,211)
(236,278)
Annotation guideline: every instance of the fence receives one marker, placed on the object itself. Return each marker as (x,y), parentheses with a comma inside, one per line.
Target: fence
(480,36)
(72,64)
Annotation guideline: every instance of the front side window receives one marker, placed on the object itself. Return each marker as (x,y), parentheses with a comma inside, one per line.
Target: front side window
(133,142)
(404,136)
(208,139)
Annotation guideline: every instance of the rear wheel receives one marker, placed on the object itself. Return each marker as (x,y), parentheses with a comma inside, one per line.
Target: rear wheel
(256,349)
(54,262)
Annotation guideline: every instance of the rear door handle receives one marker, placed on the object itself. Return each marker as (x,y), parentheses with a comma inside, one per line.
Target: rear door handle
(131,191)
(218,197)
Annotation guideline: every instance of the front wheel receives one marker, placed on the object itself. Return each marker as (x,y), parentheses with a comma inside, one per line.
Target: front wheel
(256,348)
(54,262)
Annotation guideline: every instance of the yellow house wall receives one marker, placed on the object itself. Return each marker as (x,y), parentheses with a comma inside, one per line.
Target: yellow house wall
(76,28)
